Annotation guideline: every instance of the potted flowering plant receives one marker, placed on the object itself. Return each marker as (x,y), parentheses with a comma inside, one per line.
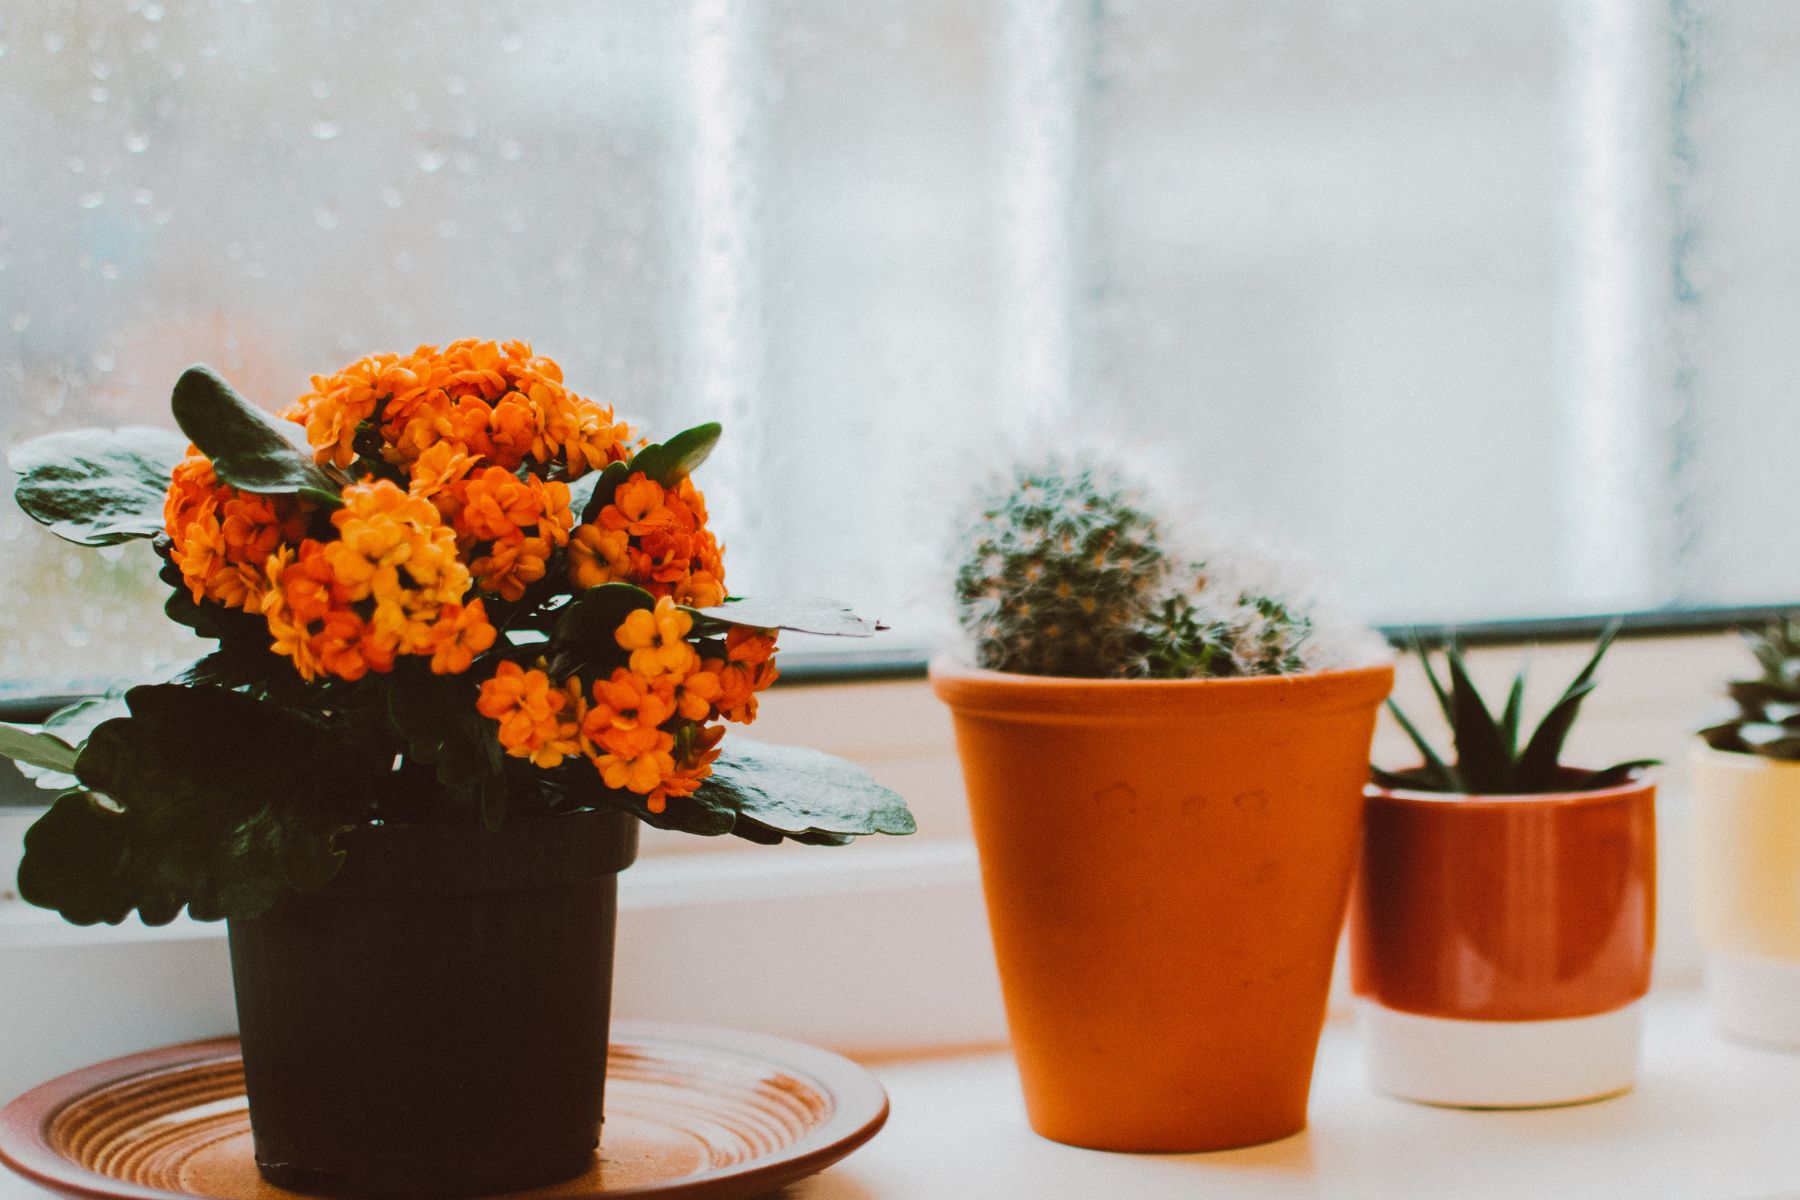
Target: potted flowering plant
(469,629)
(1165,772)
(1747,816)
(1505,913)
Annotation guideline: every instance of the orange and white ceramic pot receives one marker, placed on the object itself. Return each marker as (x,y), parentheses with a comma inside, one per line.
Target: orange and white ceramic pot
(1747,835)
(1166,864)
(1501,945)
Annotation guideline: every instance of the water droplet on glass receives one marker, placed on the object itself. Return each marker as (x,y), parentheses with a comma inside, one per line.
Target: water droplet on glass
(143,196)
(450,231)
(136,143)
(510,150)
(75,165)
(153,12)
(430,160)
(325,218)
(456,85)
(161,216)
(326,130)
(104,361)
(409,101)
(91,199)
(20,322)
(392,197)
(109,271)
(100,70)
(321,89)
(99,95)
(53,41)
(511,42)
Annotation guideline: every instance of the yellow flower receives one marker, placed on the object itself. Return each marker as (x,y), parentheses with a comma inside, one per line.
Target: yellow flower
(657,641)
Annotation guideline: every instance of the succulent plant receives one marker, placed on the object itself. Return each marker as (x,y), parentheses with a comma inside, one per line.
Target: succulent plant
(1768,716)
(1489,759)
(1063,567)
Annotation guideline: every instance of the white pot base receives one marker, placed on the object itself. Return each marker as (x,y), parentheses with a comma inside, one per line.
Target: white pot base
(1755,999)
(1499,1064)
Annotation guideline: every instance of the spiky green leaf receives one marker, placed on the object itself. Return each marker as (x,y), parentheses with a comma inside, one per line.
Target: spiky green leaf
(1448,779)
(1482,761)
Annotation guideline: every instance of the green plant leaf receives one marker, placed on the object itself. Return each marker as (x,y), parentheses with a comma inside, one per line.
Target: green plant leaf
(668,461)
(1538,765)
(594,490)
(799,793)
(214,801)
(71,724)
(1481,758)
(801,614)
(1448,779)
(36,748)
(1509,720)
(250,449)
(1419,779)
(97,487)
(1431,676)
(583,635)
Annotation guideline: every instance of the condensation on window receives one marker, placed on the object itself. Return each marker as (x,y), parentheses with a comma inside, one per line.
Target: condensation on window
(1484,307)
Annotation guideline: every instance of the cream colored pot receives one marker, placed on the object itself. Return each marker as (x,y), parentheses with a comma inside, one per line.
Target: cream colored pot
(1747,833)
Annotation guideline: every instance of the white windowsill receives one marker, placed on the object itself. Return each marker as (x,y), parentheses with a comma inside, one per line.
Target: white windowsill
(1709,1120)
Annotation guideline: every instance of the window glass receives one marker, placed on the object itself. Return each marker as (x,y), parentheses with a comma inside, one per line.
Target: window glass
(1486,308)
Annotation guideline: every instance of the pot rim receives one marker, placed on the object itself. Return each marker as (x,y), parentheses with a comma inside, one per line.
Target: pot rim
(1643,780)
(1740,760)
(977,689)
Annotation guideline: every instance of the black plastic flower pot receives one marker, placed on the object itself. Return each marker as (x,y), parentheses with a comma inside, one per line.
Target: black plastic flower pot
(434,1022)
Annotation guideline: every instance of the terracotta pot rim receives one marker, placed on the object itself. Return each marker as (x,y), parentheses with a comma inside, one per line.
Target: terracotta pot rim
(1641,781)
(1742,760)
(977,688)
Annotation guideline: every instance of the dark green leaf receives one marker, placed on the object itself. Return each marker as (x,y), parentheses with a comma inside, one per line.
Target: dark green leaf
(249,448)
(1509,720)
(1538,767)
(1481,757)
(594,491)
(585,625)
(794,791)
(36,748)
(71,724)
(1434,762)
(1437,686)
(1419,779)
(668,461)
(96,487)
(802,614)
(219,803)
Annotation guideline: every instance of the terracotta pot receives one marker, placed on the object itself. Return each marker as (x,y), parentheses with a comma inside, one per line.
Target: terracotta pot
(434,1022)
(1747,836)
(1165,865)
(1499,944)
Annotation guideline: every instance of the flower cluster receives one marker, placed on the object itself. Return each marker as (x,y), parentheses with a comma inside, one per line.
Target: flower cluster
(646,726)
(654,537)
(222,538)
(453,468)
(389,584)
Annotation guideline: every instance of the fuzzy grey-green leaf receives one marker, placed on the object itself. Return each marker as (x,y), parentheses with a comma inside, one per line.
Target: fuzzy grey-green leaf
(97,487)
(37,749)
(798,792)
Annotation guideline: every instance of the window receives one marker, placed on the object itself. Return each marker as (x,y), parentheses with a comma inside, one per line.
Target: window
(1486,308)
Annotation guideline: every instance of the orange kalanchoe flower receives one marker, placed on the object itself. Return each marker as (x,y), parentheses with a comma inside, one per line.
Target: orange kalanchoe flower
(537,720)
(657,641)
(746,669)
(656,538)
(623,735)
(496,402)
(390,584)
(221,538)
(598,556)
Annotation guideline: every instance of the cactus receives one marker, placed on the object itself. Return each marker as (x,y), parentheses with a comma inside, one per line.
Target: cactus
(1063,567)
(1065,573)
(1768,718)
